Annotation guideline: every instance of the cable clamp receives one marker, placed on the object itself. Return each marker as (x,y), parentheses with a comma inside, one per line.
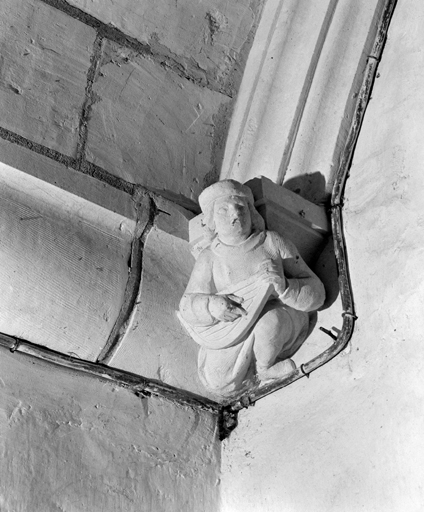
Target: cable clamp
(303,371)
(348,313)
(15,346)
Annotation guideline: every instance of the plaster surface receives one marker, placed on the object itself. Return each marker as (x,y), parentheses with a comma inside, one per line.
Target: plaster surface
(64,266)
(350,437)
(73,443)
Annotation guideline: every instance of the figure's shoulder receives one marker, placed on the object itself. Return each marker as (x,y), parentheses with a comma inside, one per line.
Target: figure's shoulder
(205,256)
(280,242)
(202,266)
(272,237)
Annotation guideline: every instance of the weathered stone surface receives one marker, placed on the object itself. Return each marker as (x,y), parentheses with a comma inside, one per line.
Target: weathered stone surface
(322,132)
(155,344)
(151,127)
(45,59)
(63,268)
(277,68)
(351,435)
(298,92)
(204,37)
(73,443)
(72,181)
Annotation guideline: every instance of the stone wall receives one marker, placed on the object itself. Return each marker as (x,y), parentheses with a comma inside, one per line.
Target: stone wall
(131,92)
(101,101)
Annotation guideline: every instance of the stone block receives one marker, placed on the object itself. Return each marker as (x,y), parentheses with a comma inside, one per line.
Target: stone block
(155,344)
(204,37)
(67,179)
(151,127)
(304,223)
(45,59)
(63,266)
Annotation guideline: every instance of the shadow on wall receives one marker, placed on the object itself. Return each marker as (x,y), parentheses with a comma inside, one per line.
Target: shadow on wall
(311,186)
(326,269)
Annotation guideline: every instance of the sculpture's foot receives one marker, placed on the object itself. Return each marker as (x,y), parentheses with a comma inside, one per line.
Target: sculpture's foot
(276,371)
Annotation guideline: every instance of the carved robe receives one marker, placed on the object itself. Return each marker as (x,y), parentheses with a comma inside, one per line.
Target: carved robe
(219,267)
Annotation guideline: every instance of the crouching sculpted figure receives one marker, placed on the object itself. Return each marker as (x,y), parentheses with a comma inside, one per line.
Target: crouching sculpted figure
(248,297)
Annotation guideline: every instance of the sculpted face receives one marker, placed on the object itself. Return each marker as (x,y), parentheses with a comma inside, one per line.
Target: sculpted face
(232,219)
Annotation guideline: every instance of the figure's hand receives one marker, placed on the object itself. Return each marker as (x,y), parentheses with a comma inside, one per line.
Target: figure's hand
(270,273)
(226,308)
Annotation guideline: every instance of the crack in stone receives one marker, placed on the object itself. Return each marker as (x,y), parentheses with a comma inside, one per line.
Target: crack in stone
(90,98)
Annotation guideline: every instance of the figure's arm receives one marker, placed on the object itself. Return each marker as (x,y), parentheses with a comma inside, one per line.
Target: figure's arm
(200,305)
(304,291)
(194,304)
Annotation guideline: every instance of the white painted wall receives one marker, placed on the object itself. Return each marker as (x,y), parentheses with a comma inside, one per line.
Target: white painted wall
(350,438)
(72,443)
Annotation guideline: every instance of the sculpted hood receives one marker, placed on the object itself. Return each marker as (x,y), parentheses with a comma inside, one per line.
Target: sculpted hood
(224,188)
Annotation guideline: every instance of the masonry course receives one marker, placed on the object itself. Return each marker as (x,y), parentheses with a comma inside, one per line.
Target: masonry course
(57,113)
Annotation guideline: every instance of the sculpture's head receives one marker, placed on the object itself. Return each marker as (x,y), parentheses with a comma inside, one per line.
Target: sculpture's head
(229,212)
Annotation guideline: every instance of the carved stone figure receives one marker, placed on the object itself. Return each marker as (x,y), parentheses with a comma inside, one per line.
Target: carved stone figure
(248,297)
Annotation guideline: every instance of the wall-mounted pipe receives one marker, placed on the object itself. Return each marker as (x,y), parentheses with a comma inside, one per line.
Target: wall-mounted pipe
(140,386)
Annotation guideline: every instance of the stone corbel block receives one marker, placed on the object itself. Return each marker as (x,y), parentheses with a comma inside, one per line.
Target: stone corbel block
(284,211)
(304,223)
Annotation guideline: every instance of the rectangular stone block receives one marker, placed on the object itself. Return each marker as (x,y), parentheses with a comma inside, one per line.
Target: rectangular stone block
(303,222)
(45,59)
(151,127)
(205,37)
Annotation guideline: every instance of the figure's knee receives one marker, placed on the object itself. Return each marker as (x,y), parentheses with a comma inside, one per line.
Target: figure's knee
(274,323)
(272,332)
